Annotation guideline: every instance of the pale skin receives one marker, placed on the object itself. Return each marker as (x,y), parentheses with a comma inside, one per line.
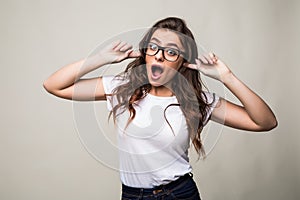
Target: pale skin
(253,114)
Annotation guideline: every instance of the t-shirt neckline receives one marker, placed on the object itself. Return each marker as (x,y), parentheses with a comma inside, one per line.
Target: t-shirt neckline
(161,97)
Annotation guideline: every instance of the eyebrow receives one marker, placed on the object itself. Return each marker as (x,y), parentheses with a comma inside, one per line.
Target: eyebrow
(168,44)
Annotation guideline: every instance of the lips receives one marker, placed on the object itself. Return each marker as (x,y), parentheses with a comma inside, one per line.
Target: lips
(156,71)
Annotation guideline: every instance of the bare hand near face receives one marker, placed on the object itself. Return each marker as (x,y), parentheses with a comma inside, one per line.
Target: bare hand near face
(211,66)
(117,52)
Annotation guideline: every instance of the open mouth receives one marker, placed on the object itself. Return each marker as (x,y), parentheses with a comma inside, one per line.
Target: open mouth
(156,71)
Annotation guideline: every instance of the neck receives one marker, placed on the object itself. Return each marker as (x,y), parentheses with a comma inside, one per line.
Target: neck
(161,91)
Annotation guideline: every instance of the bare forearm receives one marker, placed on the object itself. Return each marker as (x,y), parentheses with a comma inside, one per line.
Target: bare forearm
(255,107)
(70,73)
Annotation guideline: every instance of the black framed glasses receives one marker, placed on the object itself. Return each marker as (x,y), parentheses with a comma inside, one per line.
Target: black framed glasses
(169,53)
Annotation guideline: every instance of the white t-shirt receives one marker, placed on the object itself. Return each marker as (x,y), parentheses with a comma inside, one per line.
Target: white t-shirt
(150,153)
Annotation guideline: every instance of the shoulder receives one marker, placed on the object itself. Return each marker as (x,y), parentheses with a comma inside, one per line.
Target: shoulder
(112,79)
(110,82)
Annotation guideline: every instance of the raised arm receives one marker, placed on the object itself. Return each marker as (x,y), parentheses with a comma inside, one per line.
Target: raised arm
(253,115)
(68,84)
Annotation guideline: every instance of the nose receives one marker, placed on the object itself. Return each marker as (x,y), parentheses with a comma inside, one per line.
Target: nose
(159,55)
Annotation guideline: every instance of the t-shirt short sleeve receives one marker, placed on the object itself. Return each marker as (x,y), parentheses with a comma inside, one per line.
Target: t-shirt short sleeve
(212,100)
(109,84)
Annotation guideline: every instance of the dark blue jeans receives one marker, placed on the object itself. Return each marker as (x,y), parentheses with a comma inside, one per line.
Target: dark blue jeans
(182,188)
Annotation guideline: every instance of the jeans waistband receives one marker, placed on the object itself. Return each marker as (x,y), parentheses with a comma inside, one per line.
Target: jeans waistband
(159,188)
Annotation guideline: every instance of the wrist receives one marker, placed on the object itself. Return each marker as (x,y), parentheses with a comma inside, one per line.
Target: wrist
(97,60)
(227,78)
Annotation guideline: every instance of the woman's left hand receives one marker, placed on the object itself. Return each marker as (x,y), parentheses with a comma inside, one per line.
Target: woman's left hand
(211,66)
(253,115)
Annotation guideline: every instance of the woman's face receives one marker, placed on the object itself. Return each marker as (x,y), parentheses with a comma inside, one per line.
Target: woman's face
(160,71)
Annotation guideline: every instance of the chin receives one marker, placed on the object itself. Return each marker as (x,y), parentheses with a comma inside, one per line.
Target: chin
(155,83)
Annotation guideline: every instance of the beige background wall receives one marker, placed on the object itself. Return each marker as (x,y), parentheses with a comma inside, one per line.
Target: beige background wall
(40,152)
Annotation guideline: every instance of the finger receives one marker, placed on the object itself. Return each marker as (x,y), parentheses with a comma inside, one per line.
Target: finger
(213,57)
(128,52)
(193,66)
(186,64)
(199,64)
(134,54)
(119,46)
(203,59)
(189,65)
(114,44)
(208,58)
(126,47)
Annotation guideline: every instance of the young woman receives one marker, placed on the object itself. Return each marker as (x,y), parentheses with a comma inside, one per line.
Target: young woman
(160,106)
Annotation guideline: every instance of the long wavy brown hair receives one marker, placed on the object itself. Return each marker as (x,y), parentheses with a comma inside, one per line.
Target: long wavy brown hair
(188,90)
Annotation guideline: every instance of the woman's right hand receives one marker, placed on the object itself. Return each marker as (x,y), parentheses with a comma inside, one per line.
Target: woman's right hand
(116,52)
(62,83)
